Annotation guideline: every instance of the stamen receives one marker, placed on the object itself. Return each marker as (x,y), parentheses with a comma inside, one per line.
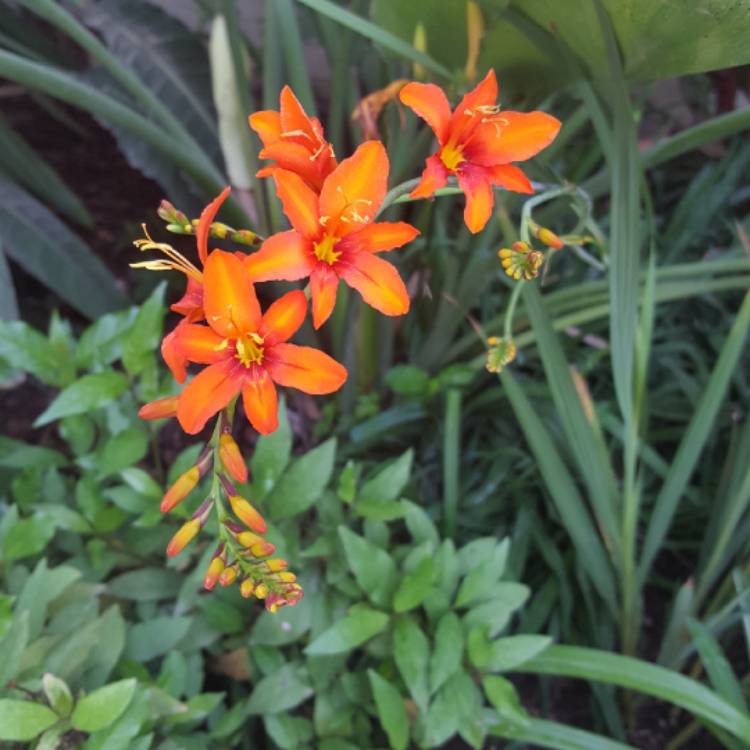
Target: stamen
(294,133)
(176,262)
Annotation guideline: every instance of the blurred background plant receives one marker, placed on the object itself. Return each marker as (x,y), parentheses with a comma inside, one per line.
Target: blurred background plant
(608,465)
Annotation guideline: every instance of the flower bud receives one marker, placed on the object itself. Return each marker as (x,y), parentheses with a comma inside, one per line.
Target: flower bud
(262,549)
(247,514)
(186,533)
(275,565)
(261,591)
(214,571)
(247,587)
(180,489)
(247,538)
(231,458)
(162,408)
(546,236)
(228,576)
(286,577)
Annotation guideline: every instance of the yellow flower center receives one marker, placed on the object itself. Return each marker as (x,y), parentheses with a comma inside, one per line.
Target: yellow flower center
(325,250)
(250,349)
(451,155)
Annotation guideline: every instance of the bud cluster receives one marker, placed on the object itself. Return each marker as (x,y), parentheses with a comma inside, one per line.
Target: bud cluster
(178,223)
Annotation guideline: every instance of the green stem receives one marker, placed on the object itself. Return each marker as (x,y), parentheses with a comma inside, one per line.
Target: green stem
(508,320)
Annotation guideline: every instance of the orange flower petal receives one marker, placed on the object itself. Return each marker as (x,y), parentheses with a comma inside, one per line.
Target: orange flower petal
(356,188)
(323,286)
(229,297)
(286,256)
(465,116)
(511,178)
(294,119)
(434,177)
(173,356)
(431,104)
(191,303)
(513,136)
(208,393)
(379,237)
(283,318)
(305,368)
(378,282)
(201,344)
(479,198)
(299,201)
(261,403)
(294,158)
(267,124)
(162,408)
(206,219)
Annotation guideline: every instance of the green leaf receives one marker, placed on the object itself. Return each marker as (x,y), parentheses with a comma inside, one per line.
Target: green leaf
(24,720)
(375,33)
(447,655)
(146,584)
(45,248)
(12,646)
(407,380)
(411,652)
(150,639)
(372,566)
(143,338)
(391,711)
(271,454)
(97,710)
(634,674)
(505,654)
(26,349)
(280,691)
(123,450)
(541,733)
(89,392)
(503,599)
(420,525)
(502,694)
(387,485)
(303,482)
(17,455)
(287,625)
(58,694)
(358,626)
(28,537)
(415,586)
(483,576)
(41,587)
(288,732)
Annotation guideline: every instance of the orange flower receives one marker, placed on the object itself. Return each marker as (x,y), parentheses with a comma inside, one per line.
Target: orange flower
(477,143)
(333,236)
(246,351)
(294,141)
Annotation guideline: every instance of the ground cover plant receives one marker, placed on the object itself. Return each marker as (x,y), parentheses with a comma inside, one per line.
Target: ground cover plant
(442,441)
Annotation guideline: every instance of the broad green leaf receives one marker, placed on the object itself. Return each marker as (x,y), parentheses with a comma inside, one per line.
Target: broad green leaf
(150,639)
(97,710)
(502,694)
(24,720)
(123,450)
(485,573)
(506,654)
(12,646)
(271,454)
(447,654)
(17,455)
(89,392)
(146,584)
(541,733)
(58,694)
(143,337)
(372,566)
(415,586)
(288,732)
(280,691)
(420,525)
(28,537)
(101,342)
(41,587)
(26,349)
(503,599)
(287,625)
(358,626)
(407,380)
(391,711)
(302,483)
(411,652)
(387,485)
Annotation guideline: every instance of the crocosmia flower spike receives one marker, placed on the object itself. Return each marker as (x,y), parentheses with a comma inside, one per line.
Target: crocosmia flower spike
(246,351)
(334,237)
(477,143)
(294,141)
